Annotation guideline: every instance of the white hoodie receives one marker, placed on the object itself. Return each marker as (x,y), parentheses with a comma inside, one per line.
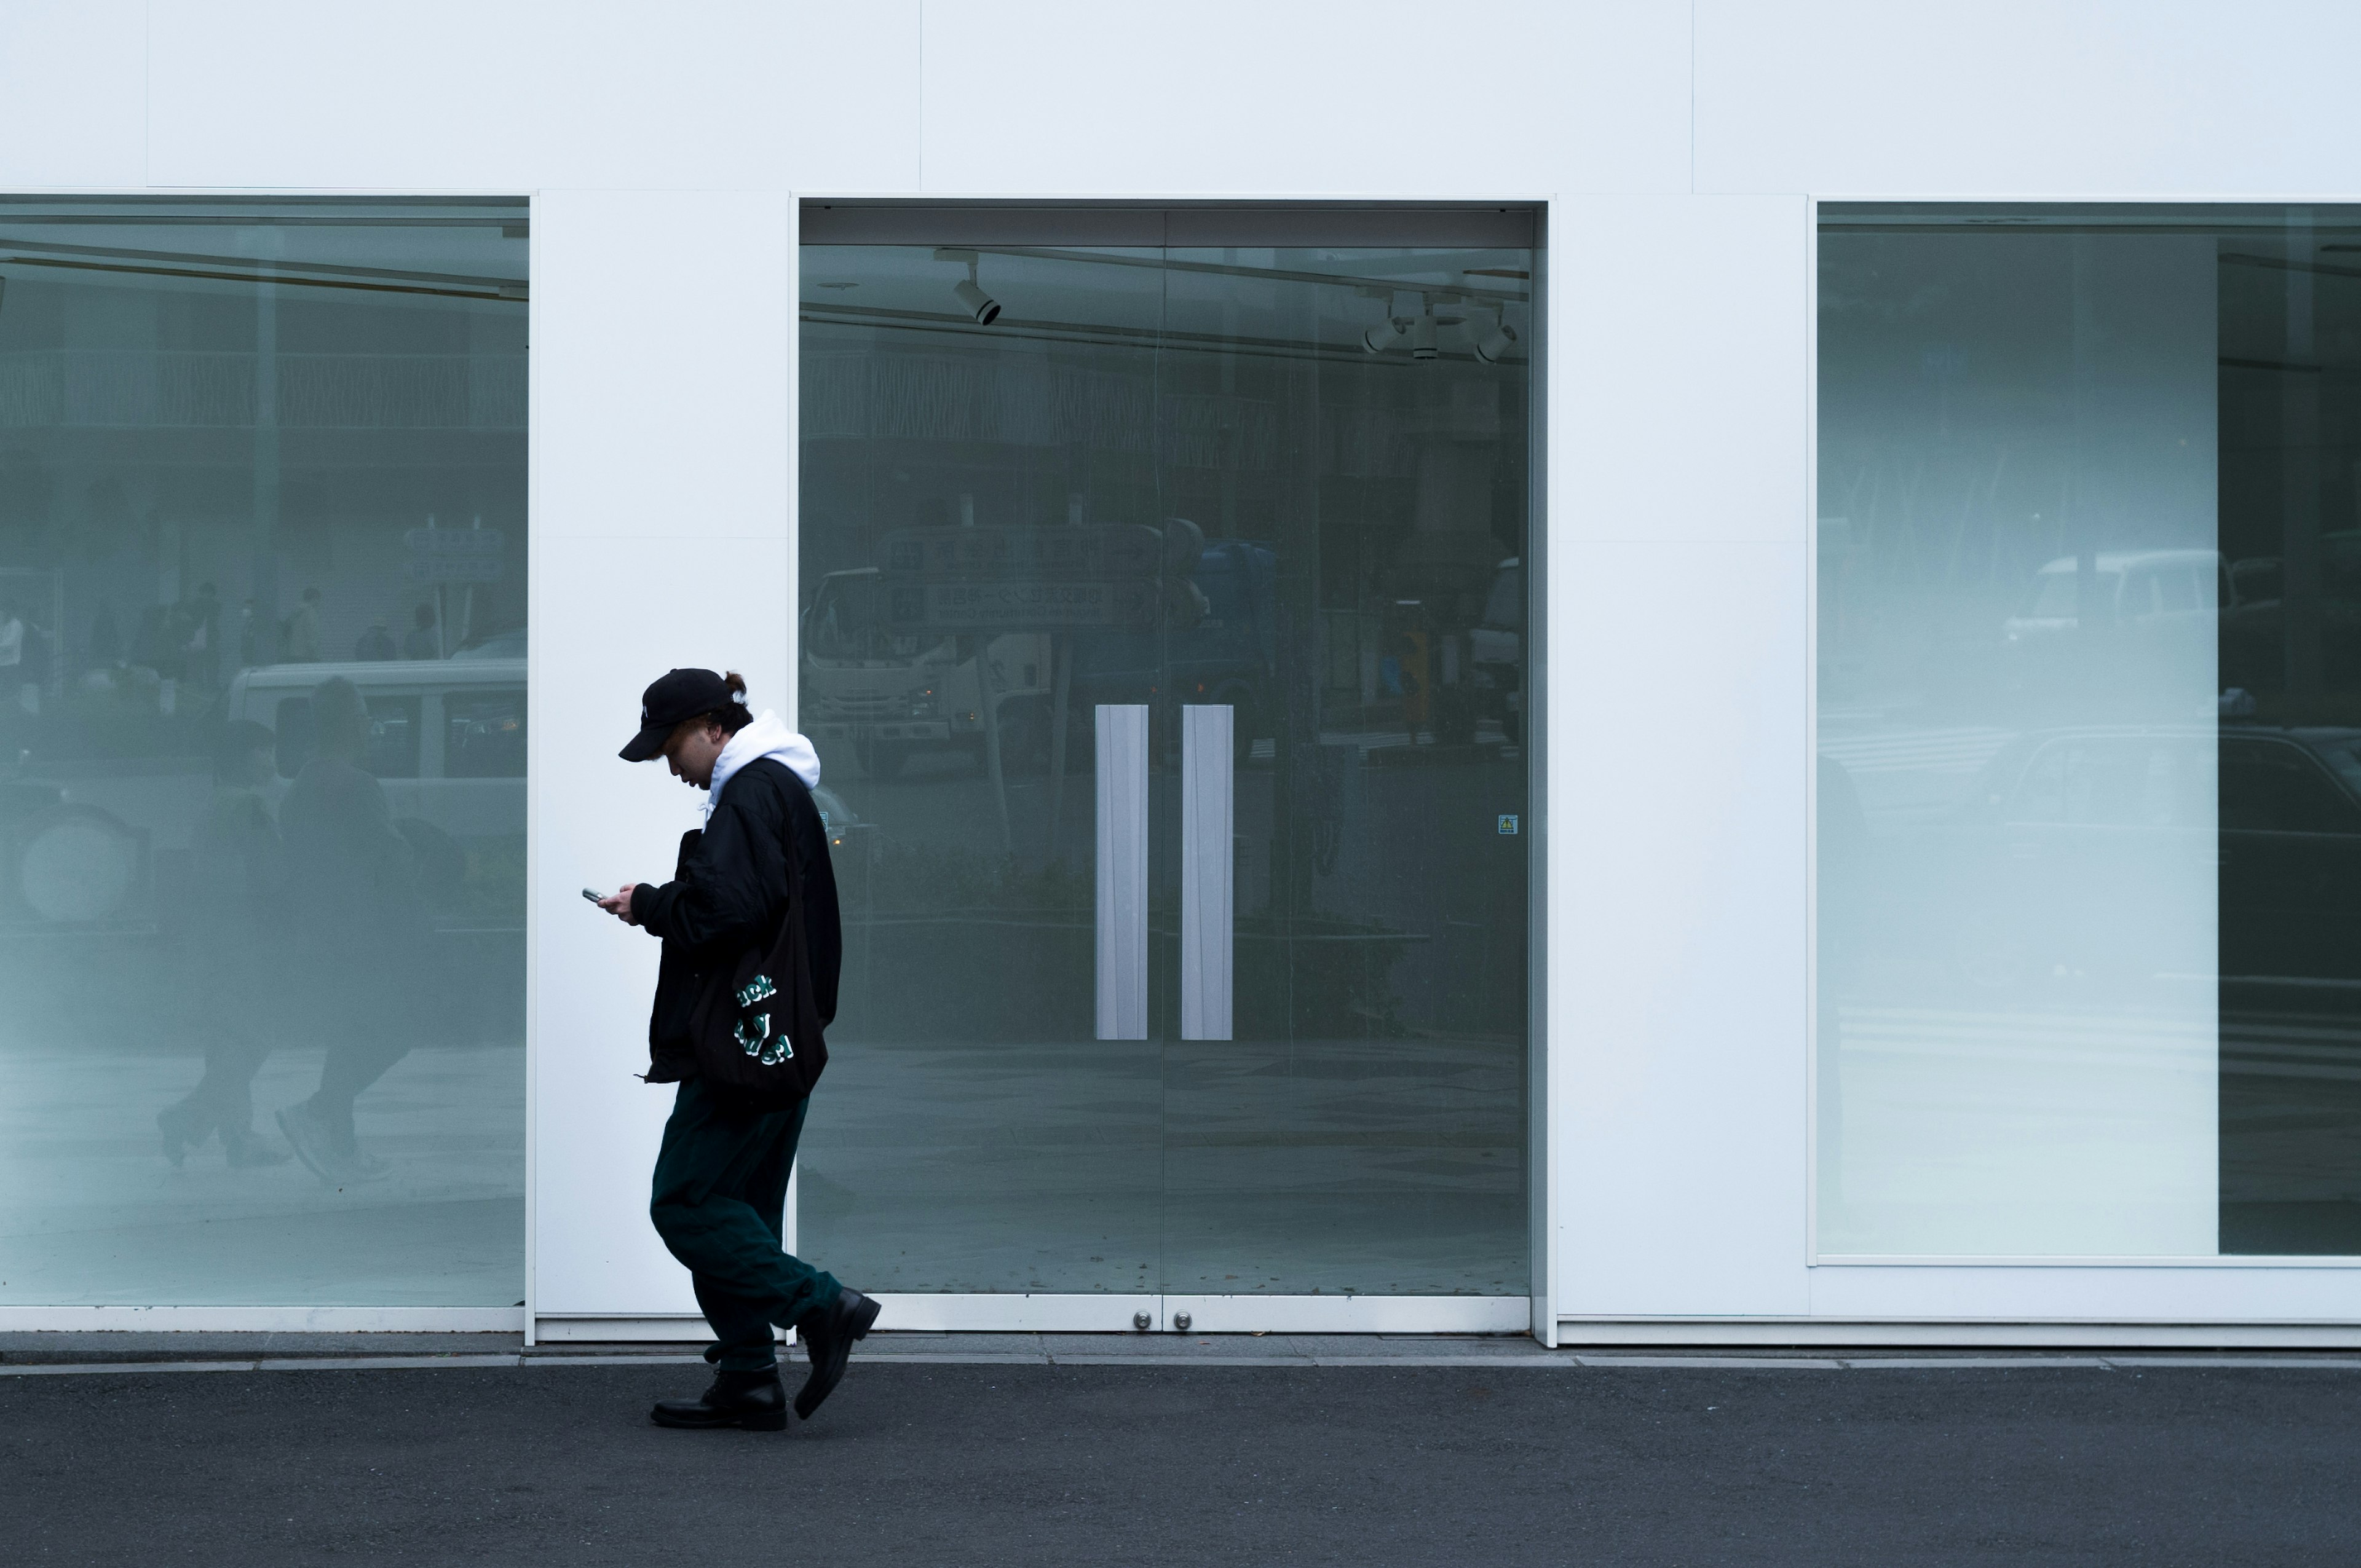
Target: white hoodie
(766,737)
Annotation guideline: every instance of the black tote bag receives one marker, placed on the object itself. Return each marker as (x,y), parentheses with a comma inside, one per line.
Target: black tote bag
(754,1027)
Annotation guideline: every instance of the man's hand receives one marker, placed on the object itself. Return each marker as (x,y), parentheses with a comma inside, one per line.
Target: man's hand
(619,906)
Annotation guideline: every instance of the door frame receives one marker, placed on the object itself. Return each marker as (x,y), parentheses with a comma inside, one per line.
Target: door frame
(1110,1314)
(1532,1313)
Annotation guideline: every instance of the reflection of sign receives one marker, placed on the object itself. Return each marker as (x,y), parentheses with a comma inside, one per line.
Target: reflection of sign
(954,554)
(454,554)
(1018,606)
(1028,580)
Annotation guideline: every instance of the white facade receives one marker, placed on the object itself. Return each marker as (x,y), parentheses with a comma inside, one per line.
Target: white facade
(1680,150)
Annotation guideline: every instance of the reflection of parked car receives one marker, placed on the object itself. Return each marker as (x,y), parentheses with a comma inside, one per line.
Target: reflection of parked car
(2137,851)
(66,862)
(2255,627)
(447,736)
(2140,626)
(844,826)
(508,644)
(2145,588)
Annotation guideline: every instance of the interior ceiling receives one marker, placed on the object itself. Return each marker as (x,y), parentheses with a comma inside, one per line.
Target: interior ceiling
(1270,299)
(468,250)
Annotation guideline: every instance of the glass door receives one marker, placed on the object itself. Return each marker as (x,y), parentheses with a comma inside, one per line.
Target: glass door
(1344,1091)
(1163,642)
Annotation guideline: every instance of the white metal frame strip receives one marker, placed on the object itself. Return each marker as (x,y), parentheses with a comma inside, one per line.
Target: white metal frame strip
(1208,782)
(1109,1312)
(1121,917)
(264,1320)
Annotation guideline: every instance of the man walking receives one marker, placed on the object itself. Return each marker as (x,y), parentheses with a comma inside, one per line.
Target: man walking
(721,1174)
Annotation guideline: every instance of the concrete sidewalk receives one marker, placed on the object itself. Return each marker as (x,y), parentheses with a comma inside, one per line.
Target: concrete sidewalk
(1053,1454)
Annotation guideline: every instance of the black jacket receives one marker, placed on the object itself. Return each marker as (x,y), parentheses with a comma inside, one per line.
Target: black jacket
(730,894)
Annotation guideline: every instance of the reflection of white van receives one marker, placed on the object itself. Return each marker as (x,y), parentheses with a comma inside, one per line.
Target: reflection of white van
(446,736)
(2136,587)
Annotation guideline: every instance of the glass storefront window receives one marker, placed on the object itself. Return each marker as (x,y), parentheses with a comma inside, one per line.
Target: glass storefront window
(1162,639)
(2089,695)
(262,604)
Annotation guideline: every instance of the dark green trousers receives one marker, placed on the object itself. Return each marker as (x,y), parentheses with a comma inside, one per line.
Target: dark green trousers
(720,1197)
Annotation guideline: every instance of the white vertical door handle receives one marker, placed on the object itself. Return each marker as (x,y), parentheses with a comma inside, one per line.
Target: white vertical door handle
(1121,908)
(1208,814)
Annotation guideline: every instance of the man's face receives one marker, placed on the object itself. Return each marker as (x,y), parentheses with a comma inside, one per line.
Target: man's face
(695,745)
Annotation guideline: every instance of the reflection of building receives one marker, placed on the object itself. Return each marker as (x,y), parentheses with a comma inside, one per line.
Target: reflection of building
(1673,786)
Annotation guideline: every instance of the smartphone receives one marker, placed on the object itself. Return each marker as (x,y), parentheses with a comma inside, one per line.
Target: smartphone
(593,897)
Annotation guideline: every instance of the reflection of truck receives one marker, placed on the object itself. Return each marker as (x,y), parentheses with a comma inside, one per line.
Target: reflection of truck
(891,694)
(893,691)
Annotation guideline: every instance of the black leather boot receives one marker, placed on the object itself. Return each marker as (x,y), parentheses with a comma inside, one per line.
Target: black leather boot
(754,1400)
(828,1337)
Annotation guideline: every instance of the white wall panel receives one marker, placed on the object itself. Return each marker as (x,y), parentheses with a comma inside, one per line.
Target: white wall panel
(1236,97)
(853,110)
(72,92)
(2110,1294)
(1676,975)
(663,322)
(2016,97)
(661,483)
(609,615)
(1681,375)
(1679,392)
(446,94)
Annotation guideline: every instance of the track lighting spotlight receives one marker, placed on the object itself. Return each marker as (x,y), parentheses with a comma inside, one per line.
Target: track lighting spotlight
(981,305)
(971,294)
(1493,347)
(1421,334)
(1382,337)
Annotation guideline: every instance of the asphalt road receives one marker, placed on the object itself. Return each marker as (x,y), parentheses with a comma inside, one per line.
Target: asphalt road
(1051,1464)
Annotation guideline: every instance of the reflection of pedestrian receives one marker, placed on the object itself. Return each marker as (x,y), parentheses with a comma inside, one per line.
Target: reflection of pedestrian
(12,650)
(301,634)
(202,650)
(106,639)
(152,647)
(248,629)
(36,664)
(721,1174)
(238,940)
(352,898)
(419,641)
(156,651)
(375,644)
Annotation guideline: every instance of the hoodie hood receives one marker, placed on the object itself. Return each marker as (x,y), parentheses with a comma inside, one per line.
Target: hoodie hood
(766,737)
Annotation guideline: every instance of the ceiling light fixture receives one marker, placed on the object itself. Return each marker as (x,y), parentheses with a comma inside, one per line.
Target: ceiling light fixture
(970,293)
(1493,347)
(1421,333)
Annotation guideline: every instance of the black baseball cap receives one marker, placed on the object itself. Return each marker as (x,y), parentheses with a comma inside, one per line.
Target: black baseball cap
(671,697)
